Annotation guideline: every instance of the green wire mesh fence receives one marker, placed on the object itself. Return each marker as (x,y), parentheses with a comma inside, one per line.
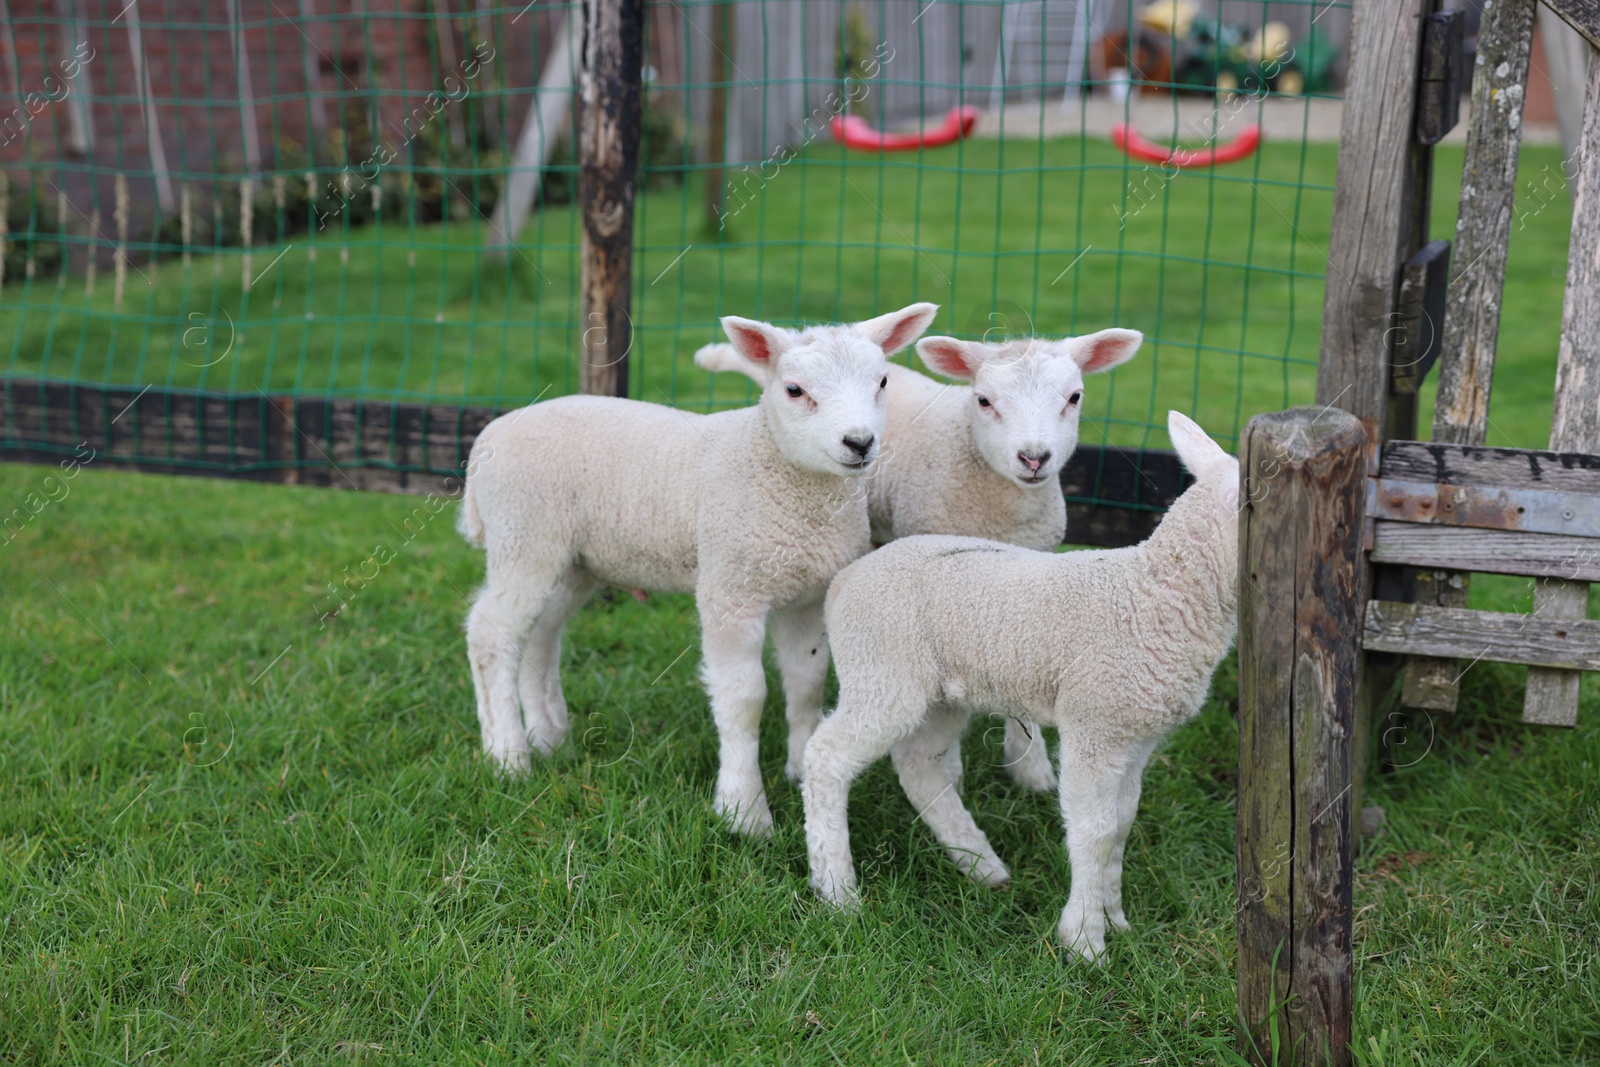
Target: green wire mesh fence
(321,240)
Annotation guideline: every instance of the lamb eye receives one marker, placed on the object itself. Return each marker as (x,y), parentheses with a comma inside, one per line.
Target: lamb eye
(795,391)
(884,384)
(983,401)
(1075,397)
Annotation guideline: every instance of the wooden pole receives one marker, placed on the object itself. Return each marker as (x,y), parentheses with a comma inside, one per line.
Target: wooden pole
(1302,599)
(608,154)
(717,121)
(1374,231)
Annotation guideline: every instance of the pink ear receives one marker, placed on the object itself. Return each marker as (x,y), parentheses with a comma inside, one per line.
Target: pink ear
(1106,349)
(894,331)
(756,341)
(949,356)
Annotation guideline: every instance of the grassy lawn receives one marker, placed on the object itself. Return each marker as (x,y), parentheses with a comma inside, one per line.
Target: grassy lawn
(1222,272)
(228,832)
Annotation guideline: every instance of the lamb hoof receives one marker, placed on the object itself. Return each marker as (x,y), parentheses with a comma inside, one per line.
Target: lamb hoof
(987,870)
(1086,940)
(1035,780)
(1117,919)
(838,892)
(794,770)
(748,818)
(1085,953)
(509,759)
(545,744)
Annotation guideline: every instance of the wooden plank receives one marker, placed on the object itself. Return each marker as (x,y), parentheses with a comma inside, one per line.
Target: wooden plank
(1372,224)
(1472,319)
(1487,551)
(1505,637)
(1552,696)
(1581,15)
(1511,468)
(1483,227)
(1427,682)
(1301,598)
(1485,507)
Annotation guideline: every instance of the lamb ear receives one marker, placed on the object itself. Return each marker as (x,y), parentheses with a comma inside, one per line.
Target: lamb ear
(758,342)
(725,358)
(951,356)
(1203,456)
(894,331)
(1101,351)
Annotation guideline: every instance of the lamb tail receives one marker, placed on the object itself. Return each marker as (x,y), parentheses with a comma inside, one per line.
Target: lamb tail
(468,521)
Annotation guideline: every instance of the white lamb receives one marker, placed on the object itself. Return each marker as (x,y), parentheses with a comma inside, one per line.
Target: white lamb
(753,510)
(981,460)
(1114,648)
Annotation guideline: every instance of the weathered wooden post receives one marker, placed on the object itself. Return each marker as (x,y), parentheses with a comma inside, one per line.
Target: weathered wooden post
(1470,323)
(1379,221)
(1301,601)
(608,154)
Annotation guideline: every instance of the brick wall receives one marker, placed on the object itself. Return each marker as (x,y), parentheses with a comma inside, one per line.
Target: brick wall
(376,62)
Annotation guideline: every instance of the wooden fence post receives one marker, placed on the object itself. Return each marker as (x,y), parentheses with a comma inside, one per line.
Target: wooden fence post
(608,153)
(1375,230)
(1301,605)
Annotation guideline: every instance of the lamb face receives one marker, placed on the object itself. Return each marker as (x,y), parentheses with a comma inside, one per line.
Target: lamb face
(824,398)
(1027,395)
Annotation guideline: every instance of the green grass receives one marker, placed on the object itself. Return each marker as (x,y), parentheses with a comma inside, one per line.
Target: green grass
(1222,271)
(230,834)
(212,853)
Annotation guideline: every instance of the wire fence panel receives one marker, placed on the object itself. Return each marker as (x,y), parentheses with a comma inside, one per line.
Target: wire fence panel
(357,222)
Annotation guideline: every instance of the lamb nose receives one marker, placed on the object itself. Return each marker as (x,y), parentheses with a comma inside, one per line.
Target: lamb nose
(859,445)
(1034,460)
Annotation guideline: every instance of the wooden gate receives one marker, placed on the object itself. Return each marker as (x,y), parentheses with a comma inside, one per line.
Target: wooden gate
(1348,582)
